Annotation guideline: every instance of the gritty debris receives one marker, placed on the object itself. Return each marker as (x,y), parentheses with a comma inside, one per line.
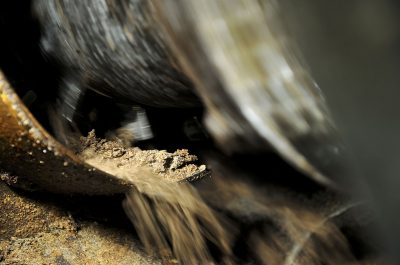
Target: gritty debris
(38,232)
(92,244)
(7,178)
(24,217)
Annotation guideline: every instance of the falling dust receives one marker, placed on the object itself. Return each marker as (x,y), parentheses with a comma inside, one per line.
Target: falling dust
(170,217)
(174,222)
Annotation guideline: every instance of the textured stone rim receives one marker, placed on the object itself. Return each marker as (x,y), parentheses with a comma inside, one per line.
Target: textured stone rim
(29,152)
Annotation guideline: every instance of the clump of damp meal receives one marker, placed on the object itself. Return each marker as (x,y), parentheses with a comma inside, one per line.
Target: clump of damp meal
(111,156)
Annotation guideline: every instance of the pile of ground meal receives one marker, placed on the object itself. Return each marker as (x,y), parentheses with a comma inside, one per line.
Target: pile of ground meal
(42,232)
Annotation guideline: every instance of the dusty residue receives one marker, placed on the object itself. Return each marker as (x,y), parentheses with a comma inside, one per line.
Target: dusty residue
(24,217)
(35,232)
(92,244)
